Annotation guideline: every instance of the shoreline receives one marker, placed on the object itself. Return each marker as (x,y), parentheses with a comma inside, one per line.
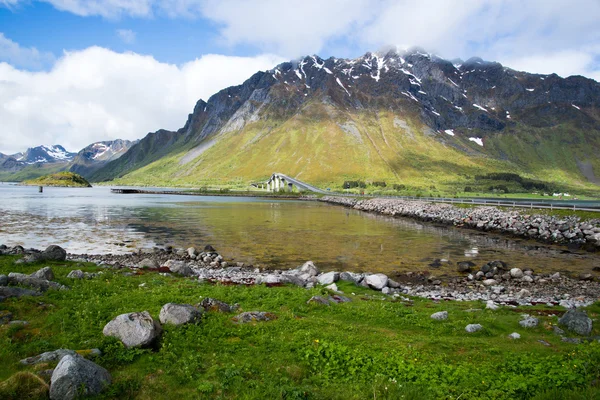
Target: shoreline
(567,231)
(493,283)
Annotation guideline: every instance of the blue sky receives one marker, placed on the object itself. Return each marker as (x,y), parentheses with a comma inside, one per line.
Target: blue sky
(73,72)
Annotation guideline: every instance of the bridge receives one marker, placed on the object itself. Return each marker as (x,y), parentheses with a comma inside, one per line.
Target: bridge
(280,182)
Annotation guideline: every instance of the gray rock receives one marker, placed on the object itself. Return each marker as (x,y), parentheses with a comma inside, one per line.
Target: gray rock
(516,273)
(333,287)
(489,282)
(473,328)
(310,268)
(253,316)
(54,253)
(376,281)
(49,356)
(192,252)
(75,376)
(570,340)
(36,283)
(210,304)
(318,300)
(339,299)
(393,284)
(3,280)
(491,305)
(523,293)
(529,322)
(585,277)
(179,314)
(148,263)
(76,274)
(179,267)
(440,315)
(386,290)
(328,278)
(293,279)
(555,276)
(5,317)
(18,322)
(576,321)
(44,273)
(557,330)
(350,277)
(465,266)
(7,291)
(514,336)
(136,329)
(527,279)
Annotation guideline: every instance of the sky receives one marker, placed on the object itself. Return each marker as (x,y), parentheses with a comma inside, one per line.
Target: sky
(74,72)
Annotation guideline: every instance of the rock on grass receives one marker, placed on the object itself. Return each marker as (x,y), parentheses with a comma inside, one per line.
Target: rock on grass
(136,329)
(74,375)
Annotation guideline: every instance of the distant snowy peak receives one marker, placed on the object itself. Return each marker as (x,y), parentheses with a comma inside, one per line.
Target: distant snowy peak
(45,154)
(106,151)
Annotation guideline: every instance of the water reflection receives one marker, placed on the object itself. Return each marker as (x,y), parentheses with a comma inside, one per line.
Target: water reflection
(259,231)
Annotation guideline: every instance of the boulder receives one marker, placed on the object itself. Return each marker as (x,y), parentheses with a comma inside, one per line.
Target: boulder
(179,314)
(7,291)
(465,266)
(527,279)
(350,277)
(293,279)
(491,305)
(514,336)
(333,287)
(209,249)
(179,267)
(328,278)
(192,252)
(516,273)
(54,253)
(3,280)
(440,315)
(585,277)
(473,328)
(136,329)
(489,282)
(44,273)
(210,304)
(376,281)
(576,321)
(529,322)
(76,274)
(253,316)
(318,300)
(36,283)
(48,357)
(310,268)
(75,376)
(148,263)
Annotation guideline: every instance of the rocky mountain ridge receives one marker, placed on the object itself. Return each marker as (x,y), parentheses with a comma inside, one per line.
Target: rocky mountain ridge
(386,109)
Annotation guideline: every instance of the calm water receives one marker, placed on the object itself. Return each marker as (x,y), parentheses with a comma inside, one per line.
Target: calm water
(266,232)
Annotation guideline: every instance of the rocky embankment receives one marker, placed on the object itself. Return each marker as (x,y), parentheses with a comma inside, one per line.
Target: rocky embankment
(544,228)
(492,282)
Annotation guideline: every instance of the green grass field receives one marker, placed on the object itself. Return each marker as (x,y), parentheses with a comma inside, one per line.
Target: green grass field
(373,347)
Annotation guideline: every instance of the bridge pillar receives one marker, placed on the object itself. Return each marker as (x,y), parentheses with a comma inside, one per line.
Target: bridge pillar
(290,187)
(277,183)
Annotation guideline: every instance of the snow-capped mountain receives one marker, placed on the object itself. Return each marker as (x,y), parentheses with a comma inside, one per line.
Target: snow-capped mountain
(44,154)
(96,155)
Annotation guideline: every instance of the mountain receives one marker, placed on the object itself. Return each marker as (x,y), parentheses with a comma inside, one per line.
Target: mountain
(43,160)
(96,155)
(402,117)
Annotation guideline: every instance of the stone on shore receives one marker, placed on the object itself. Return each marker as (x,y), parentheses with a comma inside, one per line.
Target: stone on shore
(309,268)
(148,263)
(179,314)
(36,283)
(75,376)
(376,281)
(179,267)
(440,315)
(48,357)
(576,321)
(350,277)
(136,329)
(516,273)
(54,253)
(44,273)
(253,316)
(465,266)
(328,278)
(473,328)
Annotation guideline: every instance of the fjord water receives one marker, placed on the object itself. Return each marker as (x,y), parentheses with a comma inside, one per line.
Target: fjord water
(266,232)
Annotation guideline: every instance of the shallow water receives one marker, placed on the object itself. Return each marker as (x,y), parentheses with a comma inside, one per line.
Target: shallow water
(267,232)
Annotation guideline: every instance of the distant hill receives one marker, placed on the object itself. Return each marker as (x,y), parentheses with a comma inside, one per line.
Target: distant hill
(406,118)
(61,179)
(42,160)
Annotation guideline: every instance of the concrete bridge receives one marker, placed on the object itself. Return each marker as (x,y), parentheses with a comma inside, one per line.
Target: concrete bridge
(280,182)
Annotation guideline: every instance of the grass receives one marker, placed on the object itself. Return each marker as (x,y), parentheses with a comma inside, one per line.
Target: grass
(63,179)
(373,347)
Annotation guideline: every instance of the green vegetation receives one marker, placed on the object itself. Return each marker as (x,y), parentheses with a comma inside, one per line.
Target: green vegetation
(62,179)
(369,348)
(30,172)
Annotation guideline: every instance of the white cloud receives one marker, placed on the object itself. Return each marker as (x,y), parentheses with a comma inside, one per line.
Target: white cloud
(97,94)
(16,55)
(105,8)
(126,35)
